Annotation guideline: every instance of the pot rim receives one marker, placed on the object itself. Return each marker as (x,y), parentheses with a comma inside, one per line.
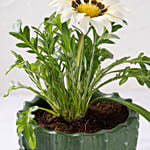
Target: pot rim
(104,131)
(132,115)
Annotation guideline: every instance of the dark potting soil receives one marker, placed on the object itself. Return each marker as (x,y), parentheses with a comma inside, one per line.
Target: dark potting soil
(100,115)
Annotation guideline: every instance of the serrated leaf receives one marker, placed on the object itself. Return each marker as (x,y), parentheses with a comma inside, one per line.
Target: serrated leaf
(21,120)
(20,128)
(30,136)
(25,124)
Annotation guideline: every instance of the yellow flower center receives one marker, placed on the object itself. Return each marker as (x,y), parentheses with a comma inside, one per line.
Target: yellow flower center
(91,9)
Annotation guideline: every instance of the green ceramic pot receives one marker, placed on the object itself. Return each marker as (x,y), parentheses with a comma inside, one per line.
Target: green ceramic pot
(122,137)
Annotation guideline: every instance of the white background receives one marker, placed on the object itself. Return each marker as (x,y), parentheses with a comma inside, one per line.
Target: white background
(134,39)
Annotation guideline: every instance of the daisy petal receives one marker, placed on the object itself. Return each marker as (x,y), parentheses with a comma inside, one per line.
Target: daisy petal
(104,21)
(99,13)
(84,24)
(111,2)
(98,27)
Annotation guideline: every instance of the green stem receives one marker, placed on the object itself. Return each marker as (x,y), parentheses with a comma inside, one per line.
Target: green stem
(50,111)
(79,50)
(119,62)
(79,65)
(114,79)
(68,78)
(138,61)
(89,73)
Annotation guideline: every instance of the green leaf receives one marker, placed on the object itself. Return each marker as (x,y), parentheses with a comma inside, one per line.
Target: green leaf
(110,36)
(36,66)
(38,32)
(22,45)
(125,22)
(19,63)
(52,45)
(17,35)
(36,42)
(48,20)
(140,81)
(57,20)
(20,128)
(33,122)
(66,36)
(147,82)
(26,32)
(22,114)
(21,120)
(19,57)
(25,124)
(106,41)
(31,52)
(30,136)
(105,54)
(123,80)
(11,67)
(116,27)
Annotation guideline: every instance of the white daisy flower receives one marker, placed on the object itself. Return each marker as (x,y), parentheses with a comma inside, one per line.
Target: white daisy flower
(82,13)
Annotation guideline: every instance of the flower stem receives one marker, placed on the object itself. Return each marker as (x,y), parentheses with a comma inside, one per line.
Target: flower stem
(79,50)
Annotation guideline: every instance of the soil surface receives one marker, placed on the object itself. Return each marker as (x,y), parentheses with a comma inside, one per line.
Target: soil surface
(100,115)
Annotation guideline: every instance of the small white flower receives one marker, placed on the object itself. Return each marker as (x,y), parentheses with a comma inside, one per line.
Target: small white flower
(82,13)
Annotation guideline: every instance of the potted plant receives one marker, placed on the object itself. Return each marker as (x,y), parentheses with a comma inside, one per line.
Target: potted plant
(69,112)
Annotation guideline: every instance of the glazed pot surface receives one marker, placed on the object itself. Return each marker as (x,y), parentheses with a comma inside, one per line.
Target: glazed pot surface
(122,137)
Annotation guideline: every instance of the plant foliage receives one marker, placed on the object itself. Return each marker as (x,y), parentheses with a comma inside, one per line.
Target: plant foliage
(68,70)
